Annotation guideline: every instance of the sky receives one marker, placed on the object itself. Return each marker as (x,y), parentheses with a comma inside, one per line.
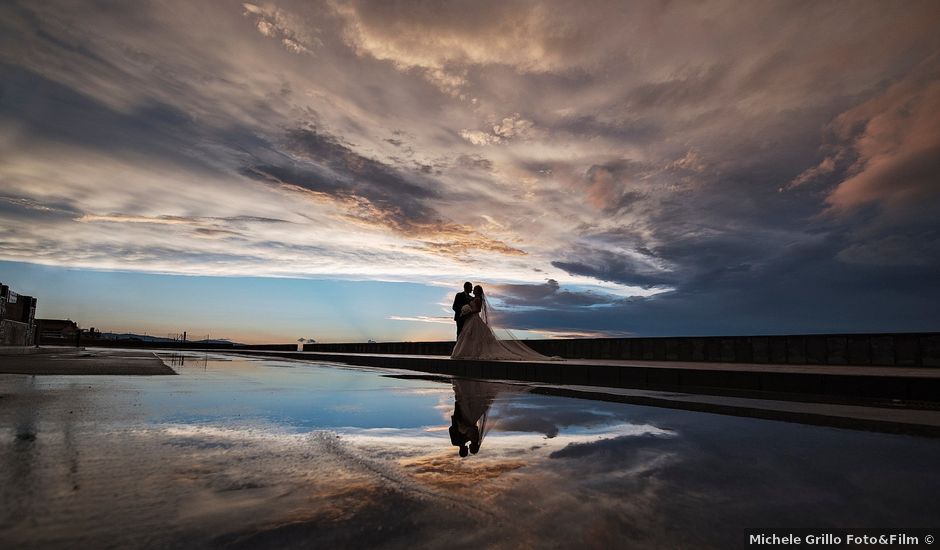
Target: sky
(335,170)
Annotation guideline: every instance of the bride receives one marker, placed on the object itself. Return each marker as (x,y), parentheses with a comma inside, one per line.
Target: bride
(478,341)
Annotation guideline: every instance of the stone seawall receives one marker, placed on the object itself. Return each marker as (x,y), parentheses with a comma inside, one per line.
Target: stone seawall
(921,349)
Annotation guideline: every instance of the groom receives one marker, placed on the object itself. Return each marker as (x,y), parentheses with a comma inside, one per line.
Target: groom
(460,300)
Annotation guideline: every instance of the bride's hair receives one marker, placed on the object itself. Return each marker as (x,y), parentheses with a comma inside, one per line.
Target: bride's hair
(478,290)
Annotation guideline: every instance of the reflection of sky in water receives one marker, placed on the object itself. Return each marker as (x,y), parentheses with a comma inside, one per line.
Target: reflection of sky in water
(269,453)
(301,396)
(293,395)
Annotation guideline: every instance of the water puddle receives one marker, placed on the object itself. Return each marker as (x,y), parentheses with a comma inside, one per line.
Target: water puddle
(267,452)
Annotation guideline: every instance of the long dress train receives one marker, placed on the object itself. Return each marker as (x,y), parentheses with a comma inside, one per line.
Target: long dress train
(478,341)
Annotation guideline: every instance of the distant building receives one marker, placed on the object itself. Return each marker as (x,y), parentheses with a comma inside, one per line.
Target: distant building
(17,318)
(57,329)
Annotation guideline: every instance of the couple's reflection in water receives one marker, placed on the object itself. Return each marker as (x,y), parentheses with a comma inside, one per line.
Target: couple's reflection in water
(470,422)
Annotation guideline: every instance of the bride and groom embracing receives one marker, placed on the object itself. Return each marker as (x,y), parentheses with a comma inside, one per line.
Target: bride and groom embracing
(475,336)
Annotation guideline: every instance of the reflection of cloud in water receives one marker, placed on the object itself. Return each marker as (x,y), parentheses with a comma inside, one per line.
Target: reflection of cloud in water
(425,455)
(181,482)
(346,408)
(197,482)
(609,475)
(409,442)
(444,392)
(193,482)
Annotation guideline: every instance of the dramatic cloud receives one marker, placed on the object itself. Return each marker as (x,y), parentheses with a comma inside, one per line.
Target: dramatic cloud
(294,34)
(603,167)
(897,153)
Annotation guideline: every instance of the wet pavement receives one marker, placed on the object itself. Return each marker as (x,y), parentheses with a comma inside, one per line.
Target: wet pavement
(63,360)
(255,452)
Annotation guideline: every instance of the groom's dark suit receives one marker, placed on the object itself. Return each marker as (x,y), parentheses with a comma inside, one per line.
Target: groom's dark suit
(460,300)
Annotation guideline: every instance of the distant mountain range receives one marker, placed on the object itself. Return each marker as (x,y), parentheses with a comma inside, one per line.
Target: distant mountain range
(146,338)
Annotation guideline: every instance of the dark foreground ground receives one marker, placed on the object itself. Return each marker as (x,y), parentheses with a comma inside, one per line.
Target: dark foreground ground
(80,361)
(265,452)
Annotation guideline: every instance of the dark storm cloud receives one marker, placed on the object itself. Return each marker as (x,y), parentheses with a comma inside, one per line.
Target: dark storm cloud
(24,209)
(692,87)
(609,266)
(778,293)
(359,174)
(402,208)
(613,269)
(45,109)
(548,295)
(609,126)
(372,192)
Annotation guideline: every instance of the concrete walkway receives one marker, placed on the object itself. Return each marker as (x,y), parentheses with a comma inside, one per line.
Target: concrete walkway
(63,360)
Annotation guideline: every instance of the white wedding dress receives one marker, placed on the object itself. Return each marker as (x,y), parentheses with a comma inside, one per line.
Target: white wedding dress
(478,341)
